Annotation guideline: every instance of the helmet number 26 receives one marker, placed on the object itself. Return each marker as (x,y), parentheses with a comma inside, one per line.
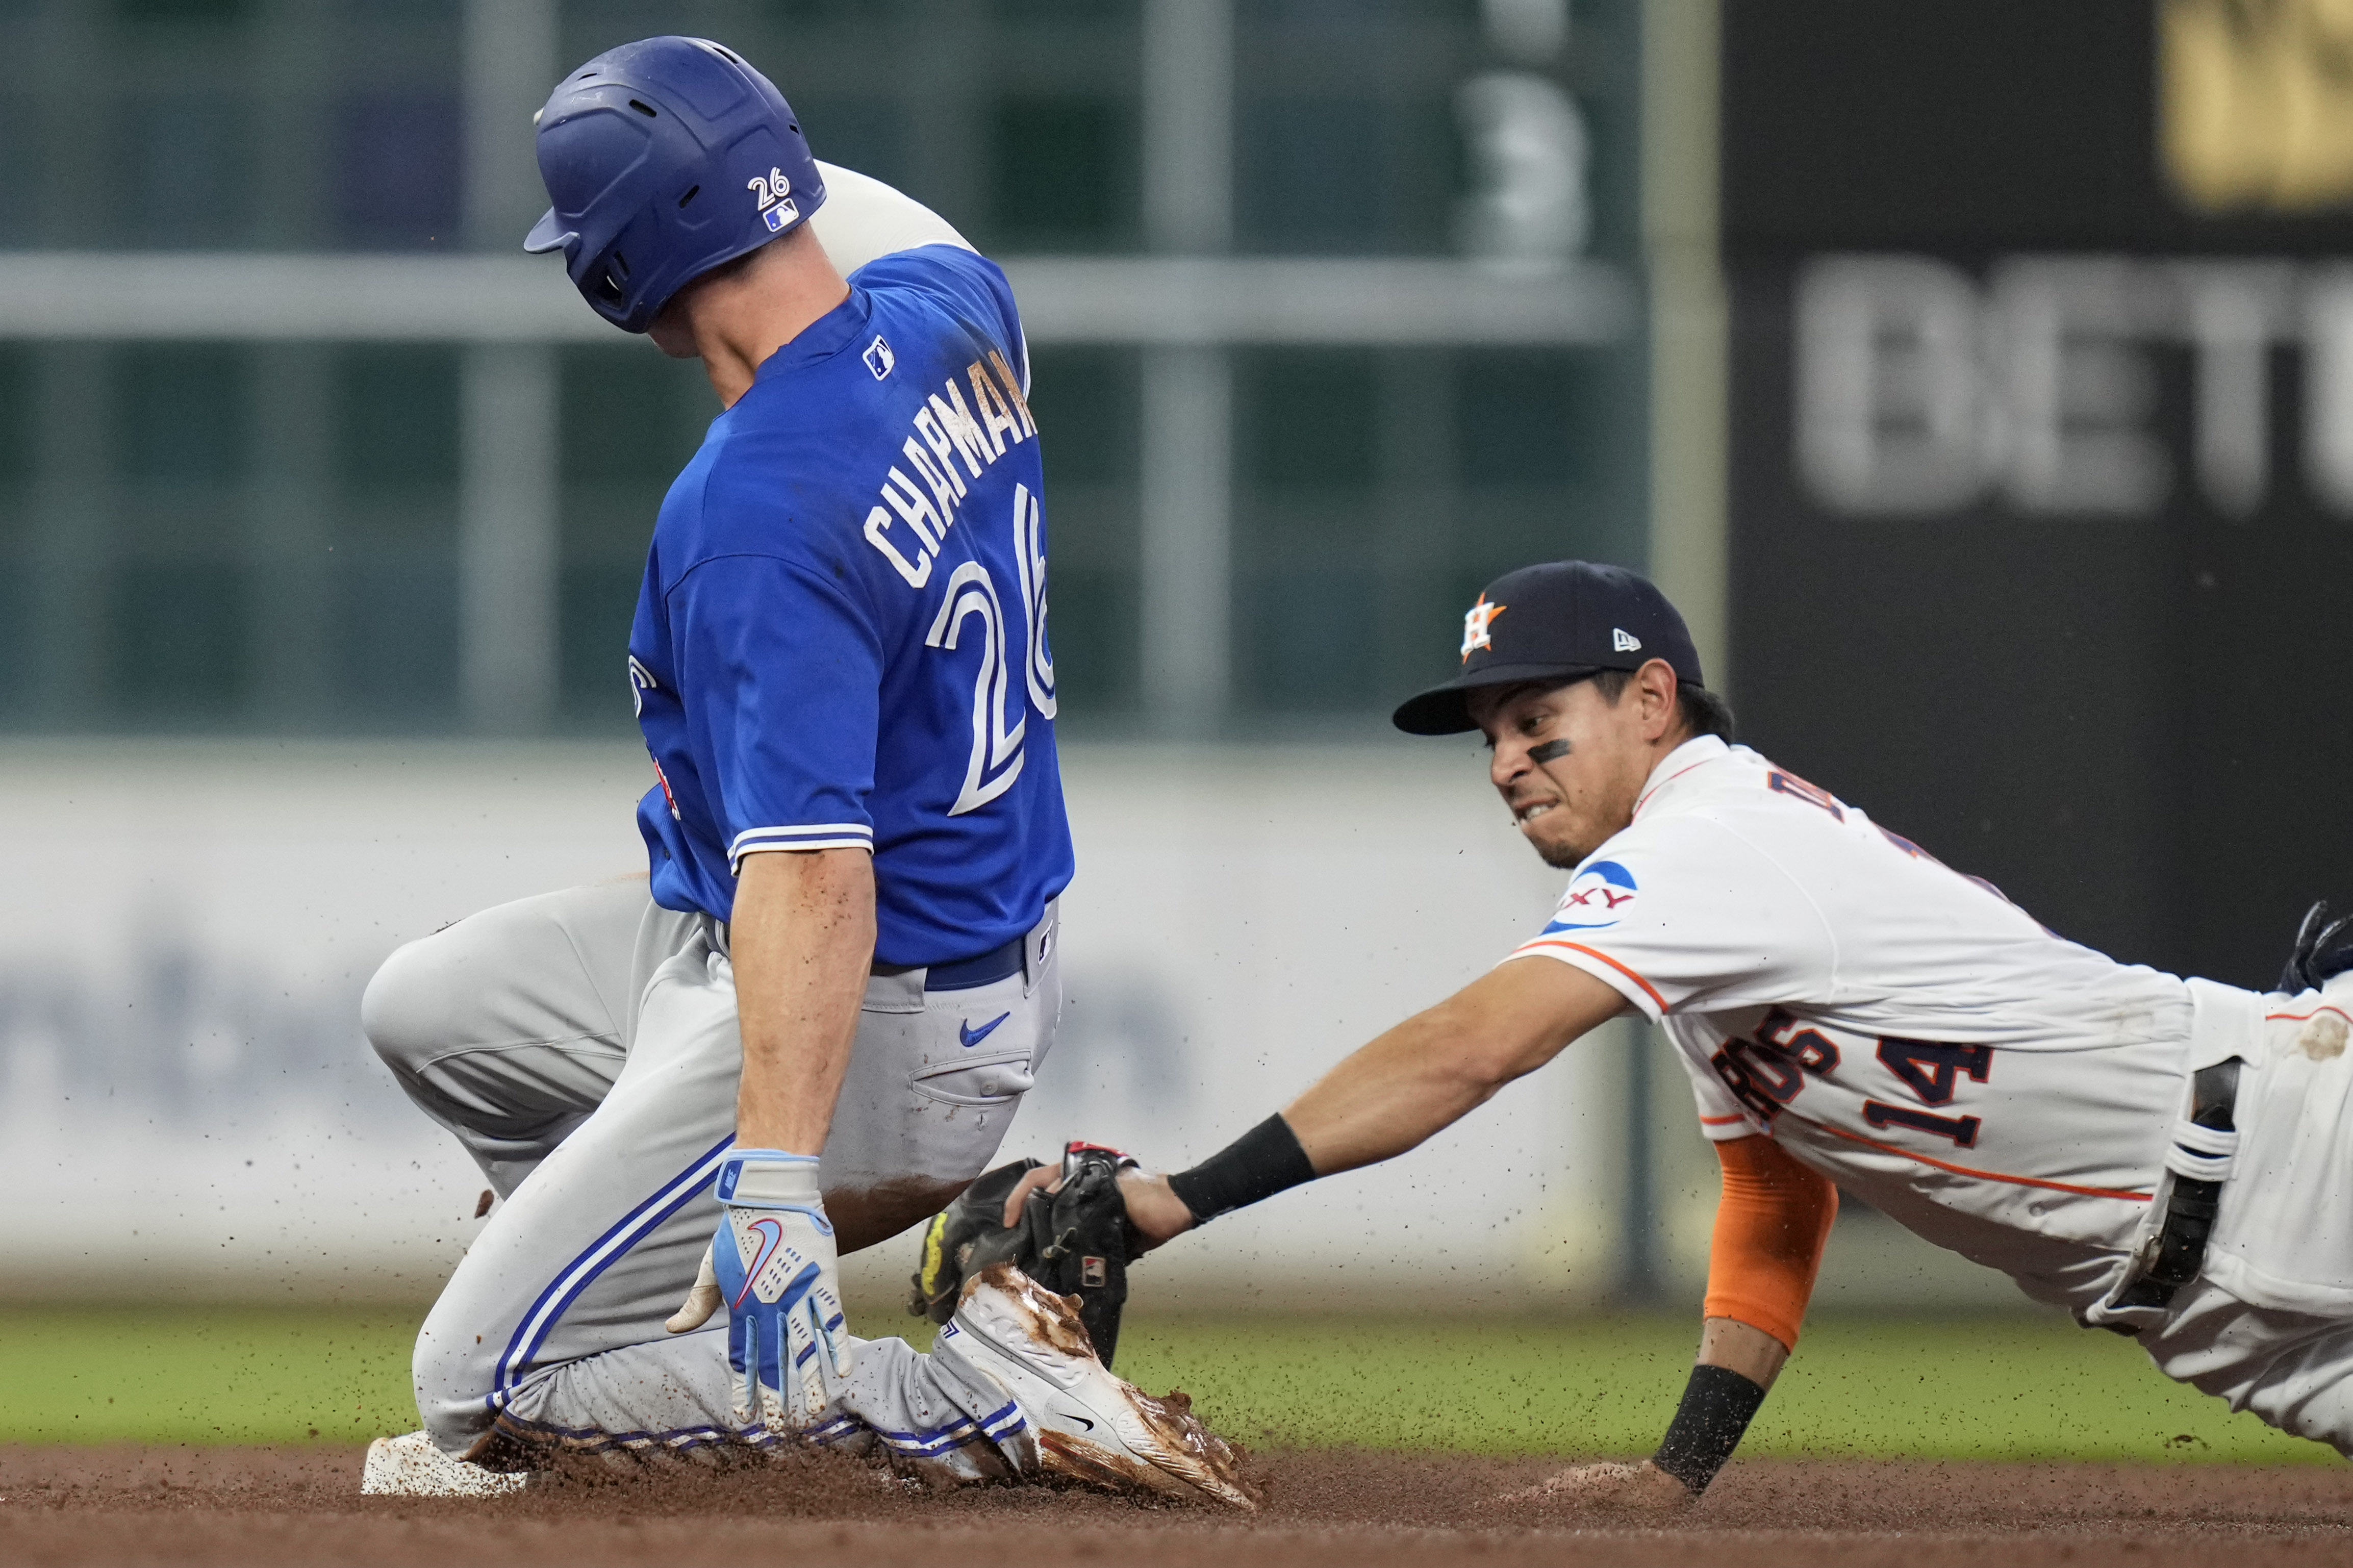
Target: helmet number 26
(772,187)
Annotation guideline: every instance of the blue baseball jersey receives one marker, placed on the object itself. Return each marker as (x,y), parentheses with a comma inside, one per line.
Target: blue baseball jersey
(841,639)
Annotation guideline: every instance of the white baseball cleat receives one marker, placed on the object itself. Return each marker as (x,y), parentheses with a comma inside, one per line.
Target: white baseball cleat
(1083,1423)
(410,1466)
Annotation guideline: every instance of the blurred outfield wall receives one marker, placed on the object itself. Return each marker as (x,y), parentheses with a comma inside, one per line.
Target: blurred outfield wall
(186,1099)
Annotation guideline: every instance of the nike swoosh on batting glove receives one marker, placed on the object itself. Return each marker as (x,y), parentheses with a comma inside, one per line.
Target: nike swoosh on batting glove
(774,1263)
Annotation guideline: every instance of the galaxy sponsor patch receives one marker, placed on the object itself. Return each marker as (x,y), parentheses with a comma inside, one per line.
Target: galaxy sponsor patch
(1596,896)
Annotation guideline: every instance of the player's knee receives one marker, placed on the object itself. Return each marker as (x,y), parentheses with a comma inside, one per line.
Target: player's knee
(453,1371)
(406,1010)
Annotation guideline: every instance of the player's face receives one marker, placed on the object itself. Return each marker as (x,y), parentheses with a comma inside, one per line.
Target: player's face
(1568,763)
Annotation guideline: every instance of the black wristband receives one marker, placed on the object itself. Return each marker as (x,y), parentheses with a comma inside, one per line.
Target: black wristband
(1260,1164)
(1718,1403)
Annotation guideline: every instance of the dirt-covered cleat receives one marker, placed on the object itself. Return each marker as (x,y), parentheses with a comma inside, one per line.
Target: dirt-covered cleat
(410,1466)
(1083,1423)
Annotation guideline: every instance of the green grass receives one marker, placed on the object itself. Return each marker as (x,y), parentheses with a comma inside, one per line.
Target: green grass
(203,1374)
(1959,1387)
(1981,1387)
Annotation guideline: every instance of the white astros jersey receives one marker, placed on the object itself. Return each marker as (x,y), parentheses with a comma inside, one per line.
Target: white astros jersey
(1897,1025)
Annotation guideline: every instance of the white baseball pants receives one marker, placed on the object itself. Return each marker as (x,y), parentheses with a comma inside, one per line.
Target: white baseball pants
(583,1046)
(2268,1324)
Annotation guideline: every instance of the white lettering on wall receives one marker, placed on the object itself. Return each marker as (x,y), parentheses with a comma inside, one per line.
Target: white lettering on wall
(1921,389)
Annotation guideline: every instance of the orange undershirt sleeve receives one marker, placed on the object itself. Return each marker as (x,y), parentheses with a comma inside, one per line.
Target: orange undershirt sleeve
(1771,1226)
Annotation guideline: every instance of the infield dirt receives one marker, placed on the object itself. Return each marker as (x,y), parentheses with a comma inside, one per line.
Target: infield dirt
(290,1508)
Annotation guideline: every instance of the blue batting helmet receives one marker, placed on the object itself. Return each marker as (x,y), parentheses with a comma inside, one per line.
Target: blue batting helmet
(664,158)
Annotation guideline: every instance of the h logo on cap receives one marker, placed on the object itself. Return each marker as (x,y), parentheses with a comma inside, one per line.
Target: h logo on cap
(1624,641)
(1475,624)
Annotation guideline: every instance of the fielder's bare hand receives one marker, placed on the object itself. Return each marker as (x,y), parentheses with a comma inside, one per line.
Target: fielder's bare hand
(1156,1213)
(1642,1490)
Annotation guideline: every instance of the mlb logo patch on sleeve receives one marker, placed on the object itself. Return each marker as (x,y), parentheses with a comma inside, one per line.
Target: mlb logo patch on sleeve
(879,358)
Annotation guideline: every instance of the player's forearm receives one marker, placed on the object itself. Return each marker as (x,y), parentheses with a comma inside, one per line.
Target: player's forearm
(802,941)
(1422,1076)
(1737,1363)
(1439,1066)
(1411,1083)
(1743,1348)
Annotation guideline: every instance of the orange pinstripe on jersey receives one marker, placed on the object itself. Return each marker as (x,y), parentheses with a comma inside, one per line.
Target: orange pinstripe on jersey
(1968,1170)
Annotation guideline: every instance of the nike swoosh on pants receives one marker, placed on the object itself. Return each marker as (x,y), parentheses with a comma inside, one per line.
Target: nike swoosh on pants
(972,1037)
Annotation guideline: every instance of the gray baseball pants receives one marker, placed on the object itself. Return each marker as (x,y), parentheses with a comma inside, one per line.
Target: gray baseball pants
(583,1046)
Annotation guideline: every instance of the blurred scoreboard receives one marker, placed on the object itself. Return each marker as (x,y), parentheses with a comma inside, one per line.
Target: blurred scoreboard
(2041,388)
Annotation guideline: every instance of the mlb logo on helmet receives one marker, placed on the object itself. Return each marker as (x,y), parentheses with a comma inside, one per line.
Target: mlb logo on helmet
(775,190)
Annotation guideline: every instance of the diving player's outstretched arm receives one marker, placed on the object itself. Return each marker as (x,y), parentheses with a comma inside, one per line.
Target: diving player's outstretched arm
(1408,1084)
(1436,1067)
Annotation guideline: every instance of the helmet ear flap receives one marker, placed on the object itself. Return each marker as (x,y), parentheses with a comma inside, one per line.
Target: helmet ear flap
(608,278)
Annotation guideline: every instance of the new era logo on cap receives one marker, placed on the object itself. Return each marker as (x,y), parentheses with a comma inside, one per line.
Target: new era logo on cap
(1624,641)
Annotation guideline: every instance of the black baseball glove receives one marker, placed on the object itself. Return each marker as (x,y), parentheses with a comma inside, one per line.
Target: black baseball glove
(2324,949)
(1075,1241)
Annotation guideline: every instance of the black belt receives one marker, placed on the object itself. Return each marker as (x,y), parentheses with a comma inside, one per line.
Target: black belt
(966,974)
(2190,1215)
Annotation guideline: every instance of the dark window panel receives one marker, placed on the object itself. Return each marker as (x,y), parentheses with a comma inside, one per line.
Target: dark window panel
(628,416)
(141,12)
(1085,401)
(1092,615)
(830,11)
(396,626)
(1309,419)
(396,170)
(1061,172)
(19,173)
(183,171)
(632,419)
(1315,173)
(1356,14)
(396,422)
(15,413)
(596,601)
(182,412)
(21,701)
(858,131)
(1515,420)
(1068,10)
(177,640)
(1307,639)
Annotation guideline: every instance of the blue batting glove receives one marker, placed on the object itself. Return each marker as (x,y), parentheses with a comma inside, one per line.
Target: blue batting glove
(775,1266)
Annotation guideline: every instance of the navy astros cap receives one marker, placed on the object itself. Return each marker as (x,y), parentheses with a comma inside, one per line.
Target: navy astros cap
(1554,622)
